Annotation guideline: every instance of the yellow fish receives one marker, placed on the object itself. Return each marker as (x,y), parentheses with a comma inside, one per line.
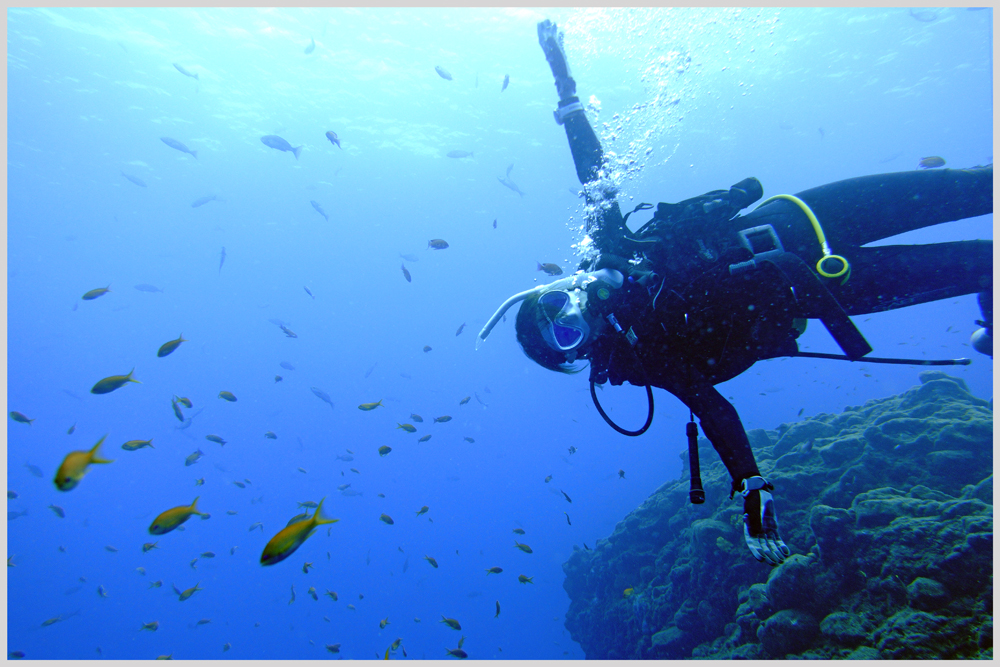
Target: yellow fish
(94,293)
(932,162)
(523,547)
(112,382)
(494,570)
(384,622)
(148,546)
(437,244)
(525,580)
(184,595)
(423,510)
(395,644)
(458,653)
(446,418)
(177,411)
(464,400)
(450,622)
(519,531)
(627,592)
(291,537)
(228,395)
(74,467)
(384,449)
(351,607)
(150,626)
(173,517)
(170,346)
(332,594)
(370,406)
(18,417)
(415,417)
(430,560)
(133,445)
(387,519)
(270,435)
(312,593)
(425,438)
(409,428)
(305,568)
(186,402)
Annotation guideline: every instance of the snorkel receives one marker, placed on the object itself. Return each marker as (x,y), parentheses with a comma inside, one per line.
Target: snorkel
(609,277)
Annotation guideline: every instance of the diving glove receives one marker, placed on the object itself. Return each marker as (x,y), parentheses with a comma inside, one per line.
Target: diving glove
(551,41)
(760,522)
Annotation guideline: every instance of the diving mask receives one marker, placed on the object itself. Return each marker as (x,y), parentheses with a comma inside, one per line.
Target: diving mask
(607,280)
(561,321)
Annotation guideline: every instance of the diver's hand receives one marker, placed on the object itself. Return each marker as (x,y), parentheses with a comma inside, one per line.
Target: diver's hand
(760,522)
(550,40)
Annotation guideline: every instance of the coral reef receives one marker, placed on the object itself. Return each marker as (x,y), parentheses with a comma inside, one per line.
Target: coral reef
(888,511)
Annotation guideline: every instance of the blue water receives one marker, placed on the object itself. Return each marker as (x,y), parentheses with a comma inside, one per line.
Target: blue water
(795,97)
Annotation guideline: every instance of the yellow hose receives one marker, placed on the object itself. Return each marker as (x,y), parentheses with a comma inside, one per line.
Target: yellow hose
(845,269)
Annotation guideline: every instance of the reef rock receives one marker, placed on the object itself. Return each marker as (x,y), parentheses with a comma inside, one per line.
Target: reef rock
(887,509)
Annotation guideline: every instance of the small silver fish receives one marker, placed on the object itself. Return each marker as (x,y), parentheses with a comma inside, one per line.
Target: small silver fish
(176,145)
(135,180)
(184,71)
(322,395)
(277,143)
(203,200)
(319,209)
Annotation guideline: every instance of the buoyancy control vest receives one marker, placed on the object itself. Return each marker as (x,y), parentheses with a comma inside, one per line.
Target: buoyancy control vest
(700,237)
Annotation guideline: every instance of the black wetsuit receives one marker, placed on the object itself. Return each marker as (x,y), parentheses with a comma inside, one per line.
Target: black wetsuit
(697,325)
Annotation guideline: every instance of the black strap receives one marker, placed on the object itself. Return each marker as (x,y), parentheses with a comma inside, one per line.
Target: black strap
(822,304)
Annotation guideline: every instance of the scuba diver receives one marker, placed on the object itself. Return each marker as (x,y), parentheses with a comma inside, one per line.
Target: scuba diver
(701,292)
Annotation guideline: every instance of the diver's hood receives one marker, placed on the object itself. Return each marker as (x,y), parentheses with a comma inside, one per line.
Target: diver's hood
(607,278)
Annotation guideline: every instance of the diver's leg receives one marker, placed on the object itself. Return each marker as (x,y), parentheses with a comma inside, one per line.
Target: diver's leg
(860,210)
(889,277)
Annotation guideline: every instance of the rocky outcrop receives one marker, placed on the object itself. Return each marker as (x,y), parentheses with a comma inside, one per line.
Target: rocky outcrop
(888,511)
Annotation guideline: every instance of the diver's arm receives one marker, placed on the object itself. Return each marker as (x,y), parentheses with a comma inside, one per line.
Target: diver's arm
(607,227)
(724,429)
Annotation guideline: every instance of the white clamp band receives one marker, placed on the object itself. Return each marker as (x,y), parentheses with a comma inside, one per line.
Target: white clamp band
(752,484)
(561,113)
